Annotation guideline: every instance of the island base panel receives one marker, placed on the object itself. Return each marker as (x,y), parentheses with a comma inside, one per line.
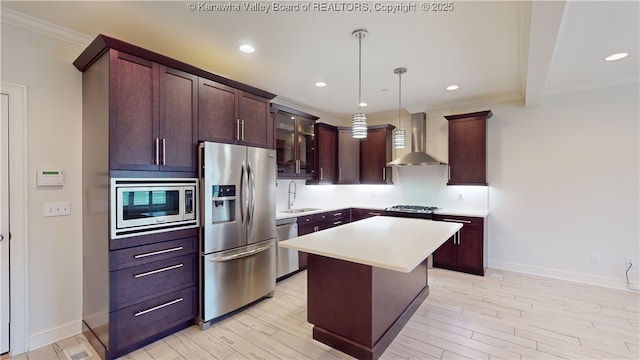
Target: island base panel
(359,309)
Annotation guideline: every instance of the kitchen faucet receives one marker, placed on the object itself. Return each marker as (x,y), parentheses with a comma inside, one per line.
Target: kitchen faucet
(290,201)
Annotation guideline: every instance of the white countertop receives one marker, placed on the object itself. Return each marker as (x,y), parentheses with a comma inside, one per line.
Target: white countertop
(392,243)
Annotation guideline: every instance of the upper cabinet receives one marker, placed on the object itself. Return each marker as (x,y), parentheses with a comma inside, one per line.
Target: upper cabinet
(158,108)
(229,115)
(326,154)
(468,148)
(294,143)
(348,157)
(375,153)
(152,115)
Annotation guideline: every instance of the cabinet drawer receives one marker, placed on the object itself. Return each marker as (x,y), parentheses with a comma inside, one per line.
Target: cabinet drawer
(466,221)
(141,321)
(140,255)
(133,285)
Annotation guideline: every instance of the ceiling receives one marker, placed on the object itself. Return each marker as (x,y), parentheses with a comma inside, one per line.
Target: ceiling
(493,50)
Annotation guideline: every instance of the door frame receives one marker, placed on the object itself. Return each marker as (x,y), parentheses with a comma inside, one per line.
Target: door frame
(18,200)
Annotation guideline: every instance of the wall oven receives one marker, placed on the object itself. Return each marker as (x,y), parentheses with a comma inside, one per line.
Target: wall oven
(145,206)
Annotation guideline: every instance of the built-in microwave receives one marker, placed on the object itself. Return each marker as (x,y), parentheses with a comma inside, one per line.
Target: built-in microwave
(145,206)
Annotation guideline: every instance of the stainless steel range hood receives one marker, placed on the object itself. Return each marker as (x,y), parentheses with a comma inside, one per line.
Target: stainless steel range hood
(418,154)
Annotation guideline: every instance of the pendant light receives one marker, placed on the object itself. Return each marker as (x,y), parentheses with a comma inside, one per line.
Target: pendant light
(399,136)
(359,127)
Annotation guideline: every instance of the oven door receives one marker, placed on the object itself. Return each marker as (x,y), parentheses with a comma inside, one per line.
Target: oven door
(148,206)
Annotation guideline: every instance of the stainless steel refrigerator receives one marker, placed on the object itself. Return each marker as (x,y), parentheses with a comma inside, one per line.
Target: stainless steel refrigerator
(237,239)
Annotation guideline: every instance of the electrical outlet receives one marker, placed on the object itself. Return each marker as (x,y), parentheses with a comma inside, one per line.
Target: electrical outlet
(595,259)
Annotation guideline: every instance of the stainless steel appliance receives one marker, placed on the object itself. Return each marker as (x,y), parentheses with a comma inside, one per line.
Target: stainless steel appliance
(287,259)
(144,206)
(238,245)
(411,211)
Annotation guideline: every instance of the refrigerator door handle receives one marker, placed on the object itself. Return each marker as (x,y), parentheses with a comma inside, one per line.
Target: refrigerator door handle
(242,195)
(252,196)
(241,255)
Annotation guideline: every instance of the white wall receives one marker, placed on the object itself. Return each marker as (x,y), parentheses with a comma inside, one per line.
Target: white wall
(54,118)
(564,181)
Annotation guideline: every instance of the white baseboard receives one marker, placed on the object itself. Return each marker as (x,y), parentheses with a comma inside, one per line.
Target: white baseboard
(559,274)
(52,335)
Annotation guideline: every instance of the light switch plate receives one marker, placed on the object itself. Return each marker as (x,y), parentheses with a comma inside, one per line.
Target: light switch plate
(57,209)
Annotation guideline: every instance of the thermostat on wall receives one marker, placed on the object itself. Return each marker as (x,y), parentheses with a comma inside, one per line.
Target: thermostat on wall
(50,178)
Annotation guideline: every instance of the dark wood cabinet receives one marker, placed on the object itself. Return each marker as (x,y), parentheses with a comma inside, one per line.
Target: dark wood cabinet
(348,157)
(465,251)
(308,224)
(468,148)
(178,120)
(140,119)
(375,153)
(153,116)
(326,146)
(295,143)
(359,213)
(229,115)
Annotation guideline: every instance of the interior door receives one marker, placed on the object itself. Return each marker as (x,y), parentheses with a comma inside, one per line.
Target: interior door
(224,196)
(262,186)
(4,226)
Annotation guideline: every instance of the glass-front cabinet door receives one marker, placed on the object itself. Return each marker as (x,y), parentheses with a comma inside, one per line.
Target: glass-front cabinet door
(285,145)
(295,152)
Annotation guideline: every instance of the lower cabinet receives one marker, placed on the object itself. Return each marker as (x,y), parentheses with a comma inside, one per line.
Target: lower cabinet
(464,251)
(359,214)
(317,222)
(152,292)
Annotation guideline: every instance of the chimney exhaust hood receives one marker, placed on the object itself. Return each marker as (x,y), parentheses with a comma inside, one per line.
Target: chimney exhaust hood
(418,155)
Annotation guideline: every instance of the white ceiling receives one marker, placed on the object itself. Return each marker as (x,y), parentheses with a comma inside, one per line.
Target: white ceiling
(492,50)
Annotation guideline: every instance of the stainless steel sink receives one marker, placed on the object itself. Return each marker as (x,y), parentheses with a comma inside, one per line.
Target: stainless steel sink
(296,211)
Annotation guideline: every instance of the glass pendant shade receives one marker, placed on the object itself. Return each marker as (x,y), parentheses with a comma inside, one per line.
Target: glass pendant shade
(399,139)
(359,126)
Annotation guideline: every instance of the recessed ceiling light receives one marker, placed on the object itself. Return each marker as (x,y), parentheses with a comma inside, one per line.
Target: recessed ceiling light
(615,57)
(246,48)
(321,84)
(452,87)
(363,104)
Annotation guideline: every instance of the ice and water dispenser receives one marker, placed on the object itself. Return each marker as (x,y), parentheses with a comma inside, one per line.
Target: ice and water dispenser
(223,203)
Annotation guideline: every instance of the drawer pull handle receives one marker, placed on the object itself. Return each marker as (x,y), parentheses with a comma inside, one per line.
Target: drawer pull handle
(458,221)
(158,252)
(374,213)
(337,222)
(337,214)
(158,271)
(240,255)
(158,307)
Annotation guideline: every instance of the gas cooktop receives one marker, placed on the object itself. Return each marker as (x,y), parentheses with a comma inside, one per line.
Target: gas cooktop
(414,209)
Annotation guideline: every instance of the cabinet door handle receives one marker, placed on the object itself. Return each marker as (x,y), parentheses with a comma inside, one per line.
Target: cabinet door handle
(158,307)
(321,177)
(156,155)
(340,174)
(157,271)
(242,126)
(297,166)
(158,252)
(237,129)
(457,221)
(164,151)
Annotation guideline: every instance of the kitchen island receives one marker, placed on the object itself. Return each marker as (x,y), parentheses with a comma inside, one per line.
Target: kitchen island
(367,278)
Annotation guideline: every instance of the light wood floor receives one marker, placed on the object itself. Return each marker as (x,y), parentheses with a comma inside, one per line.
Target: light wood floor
(503,315)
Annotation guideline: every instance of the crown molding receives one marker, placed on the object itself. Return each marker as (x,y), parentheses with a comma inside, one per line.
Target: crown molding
(31,23)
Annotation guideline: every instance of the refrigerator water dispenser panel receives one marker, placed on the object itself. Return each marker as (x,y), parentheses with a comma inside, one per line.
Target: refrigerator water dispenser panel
(223,203)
